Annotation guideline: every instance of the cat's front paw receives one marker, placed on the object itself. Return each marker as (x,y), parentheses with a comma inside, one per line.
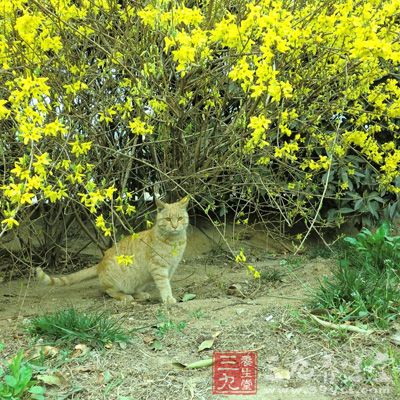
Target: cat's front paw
(142,296)
(169,300)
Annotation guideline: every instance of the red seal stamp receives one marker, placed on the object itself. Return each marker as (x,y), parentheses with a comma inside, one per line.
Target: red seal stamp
(235,372)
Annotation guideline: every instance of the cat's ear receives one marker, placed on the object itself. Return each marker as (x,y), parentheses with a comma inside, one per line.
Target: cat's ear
(184,202)
(160,205)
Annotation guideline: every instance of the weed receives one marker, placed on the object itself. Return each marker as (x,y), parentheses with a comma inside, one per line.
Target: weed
(273,276)
(368,369)
(73,326)
(344,381)
(199,313)
(394,365)
(292,263)
(364,285)
(378,249)
(16,379)
(165,325)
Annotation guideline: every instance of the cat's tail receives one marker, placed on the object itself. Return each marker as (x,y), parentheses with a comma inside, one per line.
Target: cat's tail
(65,280)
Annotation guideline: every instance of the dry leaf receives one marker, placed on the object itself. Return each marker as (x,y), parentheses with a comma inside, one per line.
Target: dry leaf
(47,351)
(197,364)
(235,290)
(206,344)
(281,373)
(147,339)
(56,379)
(80,350)
(100,378)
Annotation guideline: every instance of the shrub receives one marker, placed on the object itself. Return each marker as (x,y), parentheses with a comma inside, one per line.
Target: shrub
(272,110)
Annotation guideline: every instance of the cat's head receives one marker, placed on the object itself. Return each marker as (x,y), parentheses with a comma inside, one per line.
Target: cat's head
(172,218)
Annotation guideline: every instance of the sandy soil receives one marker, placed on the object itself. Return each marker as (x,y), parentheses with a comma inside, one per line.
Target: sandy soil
(296,359)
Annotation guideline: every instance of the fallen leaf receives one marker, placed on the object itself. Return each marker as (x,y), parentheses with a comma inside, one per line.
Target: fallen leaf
(206,344)
(103,378)
(235,290)
(57,379)
(188,297)
(147,339)
(281,373)
(80,350)
(197,364)
(47,351)
(100,378)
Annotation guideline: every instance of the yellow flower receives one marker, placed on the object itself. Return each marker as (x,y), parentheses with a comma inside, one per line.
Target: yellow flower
(149,15)
(240,257)
(4,111)
(75,87)
(109,192)
(27,26)
(138,127)
(27,198)
(79,148)
(168,43)
(20,172)
(10,222)
(124,260)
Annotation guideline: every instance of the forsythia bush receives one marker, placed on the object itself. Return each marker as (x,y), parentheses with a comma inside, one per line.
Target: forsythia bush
(269,107)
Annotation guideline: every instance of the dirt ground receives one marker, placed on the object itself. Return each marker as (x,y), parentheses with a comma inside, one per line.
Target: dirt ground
(296,358)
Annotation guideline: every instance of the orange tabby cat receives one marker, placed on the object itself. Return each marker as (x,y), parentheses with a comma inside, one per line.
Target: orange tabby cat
(156,254)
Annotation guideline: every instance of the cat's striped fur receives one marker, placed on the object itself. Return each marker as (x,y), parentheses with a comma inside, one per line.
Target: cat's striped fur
(156,254)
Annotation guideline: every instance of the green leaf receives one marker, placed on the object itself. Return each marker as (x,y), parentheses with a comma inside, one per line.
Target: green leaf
(346,210)
(10,381)
(351,240)
(188,297)
(382,231)
(25,376)
(156,345)
(37,390)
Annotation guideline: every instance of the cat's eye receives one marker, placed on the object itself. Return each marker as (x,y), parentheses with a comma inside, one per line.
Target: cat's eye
(180,219)
(168,219)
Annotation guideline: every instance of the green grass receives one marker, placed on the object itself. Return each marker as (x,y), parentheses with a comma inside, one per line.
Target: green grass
(365,284)
(70,326)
